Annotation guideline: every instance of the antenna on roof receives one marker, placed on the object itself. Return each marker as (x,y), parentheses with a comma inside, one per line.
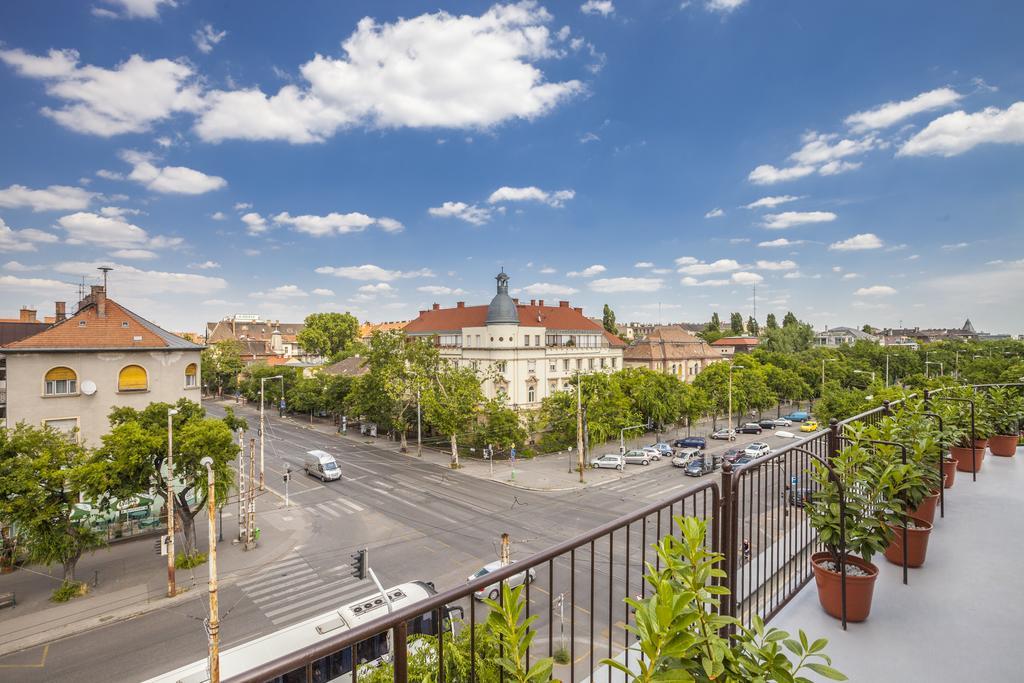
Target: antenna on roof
(755,301)
(105,269)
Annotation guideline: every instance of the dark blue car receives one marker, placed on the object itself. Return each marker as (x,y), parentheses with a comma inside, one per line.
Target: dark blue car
(691,442)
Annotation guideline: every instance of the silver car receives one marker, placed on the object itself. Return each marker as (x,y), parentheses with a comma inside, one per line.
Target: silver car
(609,461)
(684,457)
(653,452)
(782,422)
(492,590)
(638,457)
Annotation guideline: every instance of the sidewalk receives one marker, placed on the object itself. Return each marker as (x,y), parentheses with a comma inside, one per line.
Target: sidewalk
(132,580)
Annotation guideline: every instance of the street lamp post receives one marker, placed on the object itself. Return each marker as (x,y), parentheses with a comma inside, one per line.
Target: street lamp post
(419,428)
(263,381)
(729,423)
(887,369)
(866,372)
(171,588)
(579,424)
(213,625)
(932,362)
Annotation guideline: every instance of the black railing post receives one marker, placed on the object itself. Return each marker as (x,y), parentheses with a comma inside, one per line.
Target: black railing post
(833,438)
(400,641)
(927,400)
(728,542)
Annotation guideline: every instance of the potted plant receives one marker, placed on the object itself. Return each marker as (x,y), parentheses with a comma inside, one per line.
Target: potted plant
(912,491)
(1004,407)
(956,417)
(846,510)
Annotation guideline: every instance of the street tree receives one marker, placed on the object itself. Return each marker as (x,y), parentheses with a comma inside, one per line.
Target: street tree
(736,324)
(134,454)
(499,425)
(221,366)
(790,319)
(309,394)
(752,327)
(608,320)
(251,382)
(43,474)
(329,334)
(452,401)
(770,322)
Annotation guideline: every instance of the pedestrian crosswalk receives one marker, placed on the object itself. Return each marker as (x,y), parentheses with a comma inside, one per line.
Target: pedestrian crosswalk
(290,590)
(336,508)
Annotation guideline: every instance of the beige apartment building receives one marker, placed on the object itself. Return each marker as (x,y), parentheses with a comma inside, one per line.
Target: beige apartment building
(70,375)
(672,350)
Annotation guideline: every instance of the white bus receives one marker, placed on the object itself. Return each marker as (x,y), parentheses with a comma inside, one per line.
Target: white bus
(336,666)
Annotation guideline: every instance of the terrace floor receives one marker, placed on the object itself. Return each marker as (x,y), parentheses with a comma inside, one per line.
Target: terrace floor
(959,619)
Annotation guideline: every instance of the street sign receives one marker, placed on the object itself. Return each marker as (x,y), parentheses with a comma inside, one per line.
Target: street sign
(793,480)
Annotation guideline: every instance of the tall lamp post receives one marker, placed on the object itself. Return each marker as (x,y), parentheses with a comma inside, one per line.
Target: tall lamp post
(732,367)
(579,424)
(213,625)
(887,369)
(171,588)
(263,382)
(932,362)
(866,372)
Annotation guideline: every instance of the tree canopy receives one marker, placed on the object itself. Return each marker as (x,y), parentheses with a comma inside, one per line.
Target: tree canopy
(331,335)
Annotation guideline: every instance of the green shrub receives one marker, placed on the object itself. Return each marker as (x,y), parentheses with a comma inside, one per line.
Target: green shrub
(69,590)
(183,561)
(561,656)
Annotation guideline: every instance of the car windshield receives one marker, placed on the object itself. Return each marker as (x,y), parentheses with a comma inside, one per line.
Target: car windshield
(635,453)
(330,465)
(482,572)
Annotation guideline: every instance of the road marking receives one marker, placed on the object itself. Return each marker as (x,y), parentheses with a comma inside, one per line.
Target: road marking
(257,591)
(297,592)
(661,492)
(266,571)
(323,594)
(405,502)
(349,504)
(325,509)
(40,665)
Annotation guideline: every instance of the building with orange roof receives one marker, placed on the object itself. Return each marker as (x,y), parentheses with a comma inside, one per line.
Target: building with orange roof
(672,350)
(526,351)
(367,329)
(70,374)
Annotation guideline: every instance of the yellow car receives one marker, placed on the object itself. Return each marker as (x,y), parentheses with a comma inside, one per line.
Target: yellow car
(809,426)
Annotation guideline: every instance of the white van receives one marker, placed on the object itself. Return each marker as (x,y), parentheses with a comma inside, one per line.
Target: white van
(322,465)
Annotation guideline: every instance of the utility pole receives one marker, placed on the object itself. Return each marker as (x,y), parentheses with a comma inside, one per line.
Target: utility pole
(579,425)
(887,369)
(171,588)
(263,381)
(506,550)
(250,507)
(241,484)
(419,429)
(213,625)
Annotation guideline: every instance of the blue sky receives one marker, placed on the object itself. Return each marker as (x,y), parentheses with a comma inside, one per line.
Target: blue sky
(857,162)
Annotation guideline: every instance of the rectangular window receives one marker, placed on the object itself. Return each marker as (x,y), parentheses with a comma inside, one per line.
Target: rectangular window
(552,387)
(536,340)
(478,340)
(531,366)
(603,363)
(526,340)
(565,364)
(590,363)
(579,363)
(614,362)
(552,365)
(531,394)
(500,366)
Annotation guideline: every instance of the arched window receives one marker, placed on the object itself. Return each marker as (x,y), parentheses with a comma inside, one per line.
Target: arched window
(191,375)
(60,382)
(132,378)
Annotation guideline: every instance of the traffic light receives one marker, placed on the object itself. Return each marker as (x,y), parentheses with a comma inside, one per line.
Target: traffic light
(360,563)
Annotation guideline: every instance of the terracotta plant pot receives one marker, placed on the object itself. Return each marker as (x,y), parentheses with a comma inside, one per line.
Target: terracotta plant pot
(859,589)
(963,459)
(917,543)
(948,473)
(1003,444)
(926,510)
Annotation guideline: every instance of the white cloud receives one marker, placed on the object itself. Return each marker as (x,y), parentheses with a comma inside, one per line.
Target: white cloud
(205,265)
(137,282)
(766,174)
(686,261)
(780,242)
(53,198)
(321,291)
(219,216)
(547,270)
(546,289)
(875,290)
(724,265)
(738,240)
(471,213)
(611,285)
(133,9)
(959,132)
(589,271)
(118,212)
(369,271)
(913,257)
(22,240)
(746,278)
(409,73)
(439,290)
(891,113)
(954,247)
(164,141)
(281,292)
(255,223)
(837,167)
(170,179)
(723,6)
(135,254)
(379,289)
(242,206)
(714,213)
(777,265)
(602,7)
(129,98)
(109,175)
(859,242)
(206,37)
(336,223)
(17,267)
(643,264)
(797,275)
(820,148)
(84,227)
(35,285)
(851,276)
(661,271)
(589,137)
(556,199)
(787,219)
(772,202)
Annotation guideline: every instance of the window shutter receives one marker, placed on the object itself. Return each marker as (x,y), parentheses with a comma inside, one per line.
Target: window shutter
(132,378)
(60,373)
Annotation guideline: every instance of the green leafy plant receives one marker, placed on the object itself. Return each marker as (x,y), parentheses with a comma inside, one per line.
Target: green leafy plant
(68,590)
(680,628)
(1005,406)
(515,635)
(189,560)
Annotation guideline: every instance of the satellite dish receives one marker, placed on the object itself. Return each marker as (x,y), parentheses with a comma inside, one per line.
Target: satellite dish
(88,387)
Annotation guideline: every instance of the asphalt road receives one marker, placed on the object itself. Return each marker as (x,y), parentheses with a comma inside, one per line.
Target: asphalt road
(420,522)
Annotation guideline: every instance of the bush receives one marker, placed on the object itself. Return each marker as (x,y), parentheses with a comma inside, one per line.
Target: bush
(69,590)
(561,656)
(183,561)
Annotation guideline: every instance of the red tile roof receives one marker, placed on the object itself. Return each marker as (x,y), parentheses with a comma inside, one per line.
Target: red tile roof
(736,341)
(561,318)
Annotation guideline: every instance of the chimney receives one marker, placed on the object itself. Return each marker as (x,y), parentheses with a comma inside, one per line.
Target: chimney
(422,312)
(540,302)
(533,302)
(515,301)
(60,312)
(563,304)
(27,315)
(437,306)
(460,304)
(99,297)
(578,310)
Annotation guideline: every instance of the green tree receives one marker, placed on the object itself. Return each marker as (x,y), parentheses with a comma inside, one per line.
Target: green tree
(770,322)
(134,454)
(736,324)
(792,337)
(499,426)
(336,393)
(251,382)
(329,334)
(608,320)
(452,401)
(221,365)
(790,319)
(752,327)
(43,474)
(308,394)
(715,324)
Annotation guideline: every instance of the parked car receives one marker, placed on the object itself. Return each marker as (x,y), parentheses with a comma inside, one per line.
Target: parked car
(663,448)
(742,460)
(799,497)
(684,456)
(783,422)
(698,467)
(725,435)
(767,424)
(492,591)
(797,416)
(809,426)
(321,465)
(609,461)
(756,449)
(638,457)
(691,442)
(732,455)
(653,453)
(750,428)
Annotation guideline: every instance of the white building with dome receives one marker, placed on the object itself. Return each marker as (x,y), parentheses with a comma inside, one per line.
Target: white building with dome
(534,349)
